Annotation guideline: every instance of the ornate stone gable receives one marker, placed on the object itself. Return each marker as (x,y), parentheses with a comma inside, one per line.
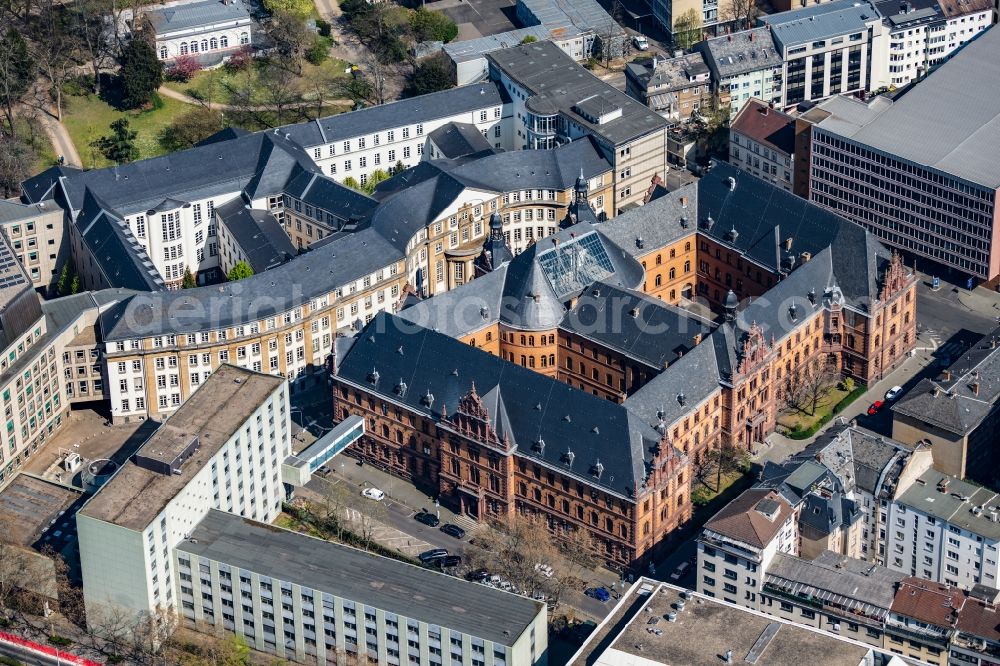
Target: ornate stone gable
(895,277)
(755,349)
(473,419)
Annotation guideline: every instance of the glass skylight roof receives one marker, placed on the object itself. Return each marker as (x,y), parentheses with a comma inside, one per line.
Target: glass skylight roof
(573,265)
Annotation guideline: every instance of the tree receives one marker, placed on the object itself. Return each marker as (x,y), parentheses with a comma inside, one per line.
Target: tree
(429,25)
(141,73)
(726,459)
(280,89)
(529,39)
(17,74)
(189,129)
(54,48)
(399,167)
(240,271)
(74,285)
(188,281)
(743,13)
(687,29)
(805,386)
(300,9)
(90,28)
(319,51)
(289,39)
(431,75)
(62,284)
(119,146)
(183,68)
(378,176)
(17,163)
(240,60)
(352,183)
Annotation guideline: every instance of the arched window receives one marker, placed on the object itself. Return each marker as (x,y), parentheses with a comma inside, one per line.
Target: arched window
(244,38)
(673,273)
(194,47)
(531,340)
(659,280)
(687,247)
(523,340)
(204,45)
(163,53)
(184,48)
(213,43)
(687,266)
(545,361)
(659,260)
(224,41)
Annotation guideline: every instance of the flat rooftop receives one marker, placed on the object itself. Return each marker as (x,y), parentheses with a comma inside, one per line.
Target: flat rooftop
(29,506)
(135,495)
(353,574)
(707,628)
(559,84)
(950,121)
(956,502)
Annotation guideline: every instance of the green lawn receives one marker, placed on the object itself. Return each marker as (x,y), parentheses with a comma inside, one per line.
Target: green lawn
(220,86)
(803,420)
(89,117)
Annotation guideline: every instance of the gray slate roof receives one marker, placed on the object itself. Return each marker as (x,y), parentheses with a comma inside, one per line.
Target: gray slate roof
(261,238)
(857,456)
(740,53)
(853,584)
(344,203)
(561,84)
(820,22)
(955,505)
(310,275)
(397,114)
(525,406)
(638,326)
(952,404)
(405,589)
(118,254)
(13,211)
(459,139)
(258,164)
(196,15)
(950,122)
(658,223)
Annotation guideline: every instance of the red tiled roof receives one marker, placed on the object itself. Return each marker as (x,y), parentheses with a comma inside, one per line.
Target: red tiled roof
(928,601)
(743,518)
(980,619)
(766,125)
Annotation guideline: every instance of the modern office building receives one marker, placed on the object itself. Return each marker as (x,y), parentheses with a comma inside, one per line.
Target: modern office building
(919,172)
(762,142)
(222,450)
(554,100)
(319,602)
(833,48)
(958,413)
(745,64)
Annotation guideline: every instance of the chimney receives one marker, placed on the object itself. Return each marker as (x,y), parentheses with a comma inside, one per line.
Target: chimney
(788,244)
(975,388)
(751,36)
(729,38)
(684,202)
(697,339)
(762,110)
(947,374)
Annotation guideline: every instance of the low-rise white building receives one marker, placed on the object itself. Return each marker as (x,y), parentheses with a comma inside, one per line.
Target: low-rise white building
(744,64)
(223,449)
(945,529)
(206,29)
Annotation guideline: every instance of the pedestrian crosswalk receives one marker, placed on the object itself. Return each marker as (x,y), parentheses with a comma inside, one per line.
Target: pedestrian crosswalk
(950,351)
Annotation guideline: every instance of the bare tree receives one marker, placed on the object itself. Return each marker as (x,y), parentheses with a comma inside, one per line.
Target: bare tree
(54,48)
(280,90)
(807,385)
(743,13)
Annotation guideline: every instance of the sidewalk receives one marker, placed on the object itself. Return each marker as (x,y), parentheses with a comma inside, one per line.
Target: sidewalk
(780,447)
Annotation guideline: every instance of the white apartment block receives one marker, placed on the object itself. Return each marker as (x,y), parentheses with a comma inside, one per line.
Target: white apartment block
(744,65)
(944,529)
(209,29)
(738,543)
(920,38)
(318,602)
(380,137)
(222,450)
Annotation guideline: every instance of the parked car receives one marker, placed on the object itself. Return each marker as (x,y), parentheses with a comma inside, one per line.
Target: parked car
(478,575)
(447,561)
(373,494)
(428,519)
(544,569)
(640,43)
(680,570)
(875,408)
(599,593)
(893,393)
(453,530)
(432,554)
(324,470)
